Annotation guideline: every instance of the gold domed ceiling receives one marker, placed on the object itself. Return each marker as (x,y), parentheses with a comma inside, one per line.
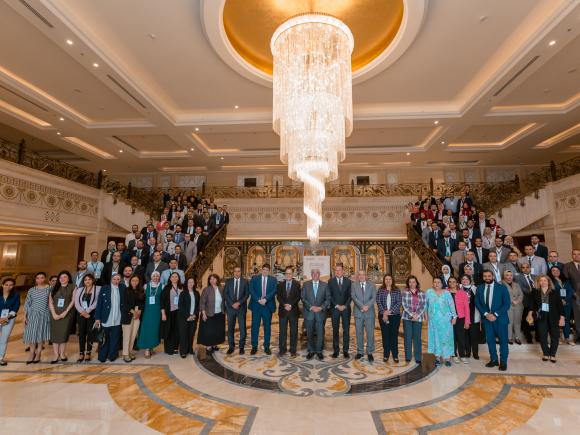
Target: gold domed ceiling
(250,24)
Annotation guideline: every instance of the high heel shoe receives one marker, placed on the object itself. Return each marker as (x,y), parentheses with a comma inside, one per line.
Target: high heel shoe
(87,357)
(81,357)
(55,361)
(63,358)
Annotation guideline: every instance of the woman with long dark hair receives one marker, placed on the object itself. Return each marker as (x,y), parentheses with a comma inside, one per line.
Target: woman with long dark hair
(131,316)
(85,300)
(473,334)
(61,305)
(566,291)
(187,317)
(413,315)
(37,317)
(389,304)
(212,330)
(9,305)
(169,311)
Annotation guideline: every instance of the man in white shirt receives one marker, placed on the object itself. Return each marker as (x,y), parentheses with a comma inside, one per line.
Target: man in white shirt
(172,269)
(95,266)
(133,236)
(110,305)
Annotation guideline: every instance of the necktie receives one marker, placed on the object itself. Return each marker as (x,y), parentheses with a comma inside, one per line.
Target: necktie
(530,261)
(263,288)
(362,285)
(288,283)
(530,282)
(340,282)
(237,288)
(177,258)
(487,299)
(315,287)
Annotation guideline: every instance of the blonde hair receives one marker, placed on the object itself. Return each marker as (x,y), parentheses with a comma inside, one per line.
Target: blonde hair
(550,282)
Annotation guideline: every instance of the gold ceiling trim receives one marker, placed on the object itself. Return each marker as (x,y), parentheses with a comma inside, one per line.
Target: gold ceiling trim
(250,24)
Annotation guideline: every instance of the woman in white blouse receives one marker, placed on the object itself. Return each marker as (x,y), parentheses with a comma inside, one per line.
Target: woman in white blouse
(213,321)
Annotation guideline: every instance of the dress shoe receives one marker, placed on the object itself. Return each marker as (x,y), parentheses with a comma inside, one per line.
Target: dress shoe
(282,353)
(293,354)
(358,356)
(242,351)
(4,363)
(254,351)
(335,354)
(518,341)
(370,357)
(346,354)
(230,351)
(475,356)
(310,355)
(55,361)
(385,359)
(320,356)
(492,364)
(267,351)
(502,367)
(396,360)
(183,355)
(510,342)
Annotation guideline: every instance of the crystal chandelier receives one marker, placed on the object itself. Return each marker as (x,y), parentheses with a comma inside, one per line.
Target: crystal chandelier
(312,103)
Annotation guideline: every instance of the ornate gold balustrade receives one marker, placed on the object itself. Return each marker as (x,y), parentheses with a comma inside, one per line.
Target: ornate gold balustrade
(426,254)
(205,258)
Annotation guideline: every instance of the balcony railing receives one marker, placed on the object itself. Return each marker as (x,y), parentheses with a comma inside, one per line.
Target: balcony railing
(205,258)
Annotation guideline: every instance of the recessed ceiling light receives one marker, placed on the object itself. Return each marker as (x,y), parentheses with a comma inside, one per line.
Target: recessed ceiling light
(152,35)
(482,18)
(120,151)
(69,42)
(96,65)
(61,118)
(59,133)
(552,43)
(192,149)
(104,170)
(196,128)
(442,142)
(236,107)
(435,122)
(221,158)
(408,154)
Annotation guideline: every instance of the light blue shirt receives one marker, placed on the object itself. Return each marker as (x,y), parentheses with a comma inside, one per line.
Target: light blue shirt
(167,273)
(315,288)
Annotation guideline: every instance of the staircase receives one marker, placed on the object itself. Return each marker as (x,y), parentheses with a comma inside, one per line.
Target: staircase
(203,264)
(122,213)
(429,259)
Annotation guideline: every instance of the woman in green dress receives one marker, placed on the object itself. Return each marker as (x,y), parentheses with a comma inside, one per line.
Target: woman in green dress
(149,337)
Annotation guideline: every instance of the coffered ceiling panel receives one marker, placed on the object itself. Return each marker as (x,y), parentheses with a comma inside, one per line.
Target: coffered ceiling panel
(246,141)
(154,143)
(488,133)
(26,53)
(369,137)
(556,82)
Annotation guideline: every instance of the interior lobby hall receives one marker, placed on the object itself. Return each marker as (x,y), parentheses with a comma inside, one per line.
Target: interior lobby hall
(290,217)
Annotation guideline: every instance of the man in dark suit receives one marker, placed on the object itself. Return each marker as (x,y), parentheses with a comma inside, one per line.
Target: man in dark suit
(207,224)
(114,267)
(472,230)
(108,313)
(502,252)
(476,267)
(107,254)
(219,219)
(526,280)
(445,247)
(199,239)
(262,305)
(288,296)
(553,261)
(539,249)
(149,232)
(180,258)
(434,236)
(236,293)
(493,302)
(481,254)
(340,299)
(315,301)
(141,252)
(136,268)
(571,272)
(156,265)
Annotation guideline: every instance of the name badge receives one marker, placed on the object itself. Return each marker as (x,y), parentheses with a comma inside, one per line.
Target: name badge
(563,292)
(176,300)
(139,263)
(4,313)
(85,305)
(533,270)
(60,303)
(151,300)
(545,307)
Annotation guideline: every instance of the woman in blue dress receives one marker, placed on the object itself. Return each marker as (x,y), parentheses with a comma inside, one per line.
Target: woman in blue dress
(441,313)
(149,337)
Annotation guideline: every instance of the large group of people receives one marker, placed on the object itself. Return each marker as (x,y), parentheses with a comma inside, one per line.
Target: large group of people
(134,295)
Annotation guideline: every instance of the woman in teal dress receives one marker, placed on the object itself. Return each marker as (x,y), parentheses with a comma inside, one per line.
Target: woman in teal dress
(441,312)
(149,337)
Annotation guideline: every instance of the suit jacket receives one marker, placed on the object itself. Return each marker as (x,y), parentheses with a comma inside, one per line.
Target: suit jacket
(340,295)
(185,304)
(484,255)
(504,254)
(477,271)
(144,257)
(441,246)
(457,258)
(181,262)
(104,256)
(433,240)
(555,310)
(526,287)
(321,300)
(107,272)
(139,271)
(244,294)
(291,298)
(151,268)
(541,251)
(500,303)
(103,308)
(218,217)
(368,298)
(500,268)
(539,265)
(200,243)
(256,293)
(190,250)
(571,273)
(207,300)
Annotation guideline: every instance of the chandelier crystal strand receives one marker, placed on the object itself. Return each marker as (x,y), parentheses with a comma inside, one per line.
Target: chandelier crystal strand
(312,103)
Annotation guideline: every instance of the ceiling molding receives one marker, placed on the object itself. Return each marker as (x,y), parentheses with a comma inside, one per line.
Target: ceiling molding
(24,116)
(88,147)
(503,144)
(560,137)
(537,109)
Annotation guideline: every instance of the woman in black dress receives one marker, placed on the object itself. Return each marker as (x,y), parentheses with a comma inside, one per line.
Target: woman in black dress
(85,299)
(212,330)
(169,311)
(188,314)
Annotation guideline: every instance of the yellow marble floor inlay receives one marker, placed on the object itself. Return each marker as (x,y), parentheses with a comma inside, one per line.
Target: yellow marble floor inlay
(485,404)
(150,395)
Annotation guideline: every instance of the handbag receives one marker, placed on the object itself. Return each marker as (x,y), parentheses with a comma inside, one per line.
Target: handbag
(97,335)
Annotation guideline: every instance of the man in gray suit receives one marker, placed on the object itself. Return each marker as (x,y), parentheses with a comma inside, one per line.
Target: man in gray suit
(316,300)
(500,250)
(537,264)
(236,292)
(364,295)
(188,248)
(496,268)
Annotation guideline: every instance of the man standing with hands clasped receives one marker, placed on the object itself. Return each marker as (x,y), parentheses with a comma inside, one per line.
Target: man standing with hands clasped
(288,297)
(493,302)
(262,305)
(364,296)
(340,299)
(236,294)
(316,299)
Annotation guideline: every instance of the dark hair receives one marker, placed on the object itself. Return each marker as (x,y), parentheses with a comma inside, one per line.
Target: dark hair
(40,273)
(289,269)
(383,281)
(5,280)
(267,266)
(169,285)
(139,288)
(194,281)
(50,277)
(452,278)
(94,252)
(57,286)
(466,276)
(91,276)
(409,278)
(213,275)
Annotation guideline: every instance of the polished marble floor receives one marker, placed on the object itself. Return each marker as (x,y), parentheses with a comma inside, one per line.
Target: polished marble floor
(261,394)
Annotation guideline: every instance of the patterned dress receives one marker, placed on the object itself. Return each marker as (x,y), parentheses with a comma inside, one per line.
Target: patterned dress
(440,309)
(37,328)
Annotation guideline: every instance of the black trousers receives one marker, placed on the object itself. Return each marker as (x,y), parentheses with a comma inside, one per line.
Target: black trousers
(285,320)
(171,343)
(545,328)
(338,318)
(459,337)
(390,335)
(240,316)
(85,327)
(472,340)
(110,348)
(186,331)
